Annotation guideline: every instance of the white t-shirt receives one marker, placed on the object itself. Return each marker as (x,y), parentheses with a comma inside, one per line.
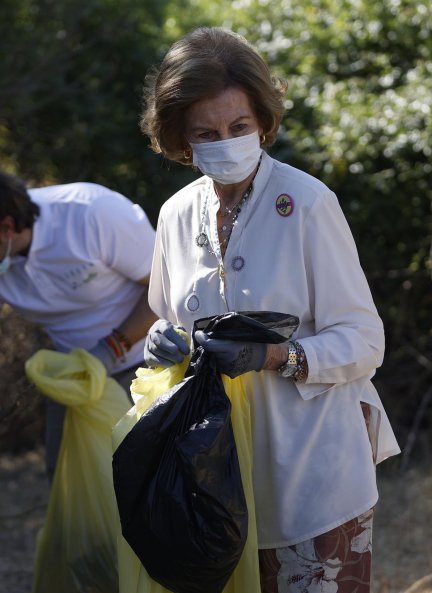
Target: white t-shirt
(89,248)
(292,252)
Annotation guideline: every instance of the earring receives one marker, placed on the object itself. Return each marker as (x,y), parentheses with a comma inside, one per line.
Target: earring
(187,154)
(262,138)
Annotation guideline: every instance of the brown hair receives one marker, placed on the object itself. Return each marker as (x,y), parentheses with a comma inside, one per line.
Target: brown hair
(15,201)
(199,66)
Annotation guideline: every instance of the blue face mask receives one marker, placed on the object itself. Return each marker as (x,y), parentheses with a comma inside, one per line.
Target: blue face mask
(6,261)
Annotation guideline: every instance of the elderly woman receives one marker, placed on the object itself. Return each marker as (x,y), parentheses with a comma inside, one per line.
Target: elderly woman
(256,234)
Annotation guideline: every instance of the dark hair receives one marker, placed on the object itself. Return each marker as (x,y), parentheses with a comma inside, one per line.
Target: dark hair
(15,201)
(199,66)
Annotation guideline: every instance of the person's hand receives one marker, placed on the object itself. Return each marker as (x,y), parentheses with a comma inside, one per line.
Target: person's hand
(234,358)
(163,345)
(105,354)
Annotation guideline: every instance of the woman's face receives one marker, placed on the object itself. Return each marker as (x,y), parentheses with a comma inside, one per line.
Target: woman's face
(228,115)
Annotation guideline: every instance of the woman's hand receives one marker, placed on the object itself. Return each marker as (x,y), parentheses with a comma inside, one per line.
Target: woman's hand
(163,345)
(234,358)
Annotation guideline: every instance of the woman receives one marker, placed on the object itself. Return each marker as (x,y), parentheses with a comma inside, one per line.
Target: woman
(256,234)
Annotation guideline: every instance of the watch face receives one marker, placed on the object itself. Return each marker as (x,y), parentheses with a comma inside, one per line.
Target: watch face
(287,370)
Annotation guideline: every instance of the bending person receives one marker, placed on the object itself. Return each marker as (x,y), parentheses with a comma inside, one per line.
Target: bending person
(76,259)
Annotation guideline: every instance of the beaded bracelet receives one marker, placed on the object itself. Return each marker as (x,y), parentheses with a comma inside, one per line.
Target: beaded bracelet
(115,346)
(123,339)
(301,373)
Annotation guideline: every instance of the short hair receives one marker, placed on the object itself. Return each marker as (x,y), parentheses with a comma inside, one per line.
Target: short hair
(15,201)
(201,65)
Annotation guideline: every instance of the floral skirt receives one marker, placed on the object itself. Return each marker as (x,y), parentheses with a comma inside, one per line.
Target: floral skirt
(338,561)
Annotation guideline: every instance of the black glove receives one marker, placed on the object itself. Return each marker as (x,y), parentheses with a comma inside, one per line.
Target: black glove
(233,358)
(164,346)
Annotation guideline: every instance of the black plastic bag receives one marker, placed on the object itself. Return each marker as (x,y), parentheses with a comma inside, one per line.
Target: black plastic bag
(266,327)
(176,474)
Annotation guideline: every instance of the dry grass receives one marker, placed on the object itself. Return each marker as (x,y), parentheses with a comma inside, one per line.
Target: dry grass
(403,521)
(23,502)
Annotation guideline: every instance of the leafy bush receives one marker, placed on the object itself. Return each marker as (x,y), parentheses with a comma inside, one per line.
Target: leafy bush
(358,117)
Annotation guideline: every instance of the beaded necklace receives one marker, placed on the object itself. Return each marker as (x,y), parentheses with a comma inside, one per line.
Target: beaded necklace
(202,239)
(193,302)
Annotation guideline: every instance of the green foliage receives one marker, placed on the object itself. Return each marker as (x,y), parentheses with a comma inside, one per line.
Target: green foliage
(71,93)
(358,117)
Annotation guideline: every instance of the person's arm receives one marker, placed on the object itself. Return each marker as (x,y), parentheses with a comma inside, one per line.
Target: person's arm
(121,236)
(112,348)
(235,358)
(348,342)
(138,322)
(276,356)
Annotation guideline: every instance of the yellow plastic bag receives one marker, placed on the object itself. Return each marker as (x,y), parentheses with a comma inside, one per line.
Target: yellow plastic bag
(151,383)
(76,548)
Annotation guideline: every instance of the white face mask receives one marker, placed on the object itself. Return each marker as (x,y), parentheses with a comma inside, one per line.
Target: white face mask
(6,261)
(228,161)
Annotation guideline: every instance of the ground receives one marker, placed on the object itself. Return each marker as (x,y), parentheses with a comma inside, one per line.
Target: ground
(402,545)
(23,500)
(403,520)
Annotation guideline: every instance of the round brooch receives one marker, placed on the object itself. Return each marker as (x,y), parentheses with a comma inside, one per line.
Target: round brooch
(201,240)
(237,263)
(284,205)
(192,303)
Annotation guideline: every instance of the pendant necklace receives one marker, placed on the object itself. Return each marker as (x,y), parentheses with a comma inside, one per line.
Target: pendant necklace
(192,301)
(202,239)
